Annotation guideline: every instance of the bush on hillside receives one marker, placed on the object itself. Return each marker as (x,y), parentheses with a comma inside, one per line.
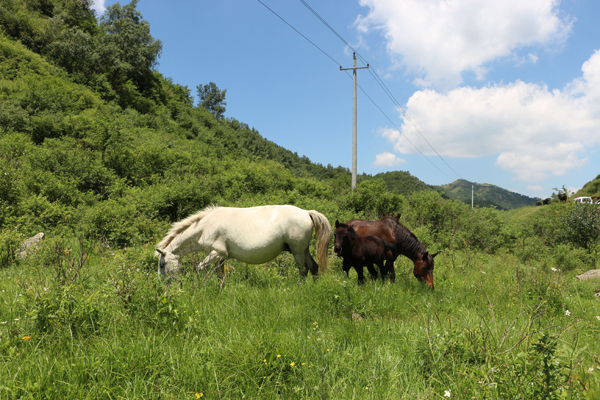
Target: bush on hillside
(373,200)
(581,226)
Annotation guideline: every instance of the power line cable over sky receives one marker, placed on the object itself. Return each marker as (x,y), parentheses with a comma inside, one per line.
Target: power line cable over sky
(375,77)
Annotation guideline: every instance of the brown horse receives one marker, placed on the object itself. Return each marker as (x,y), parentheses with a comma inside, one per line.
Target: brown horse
(407,244)
(358,251)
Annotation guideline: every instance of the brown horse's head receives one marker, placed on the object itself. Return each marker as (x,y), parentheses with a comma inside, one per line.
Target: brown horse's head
(424,268)
(344,235)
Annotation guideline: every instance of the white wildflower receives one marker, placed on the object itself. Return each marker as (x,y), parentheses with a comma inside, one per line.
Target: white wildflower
(447,393)
(568,313)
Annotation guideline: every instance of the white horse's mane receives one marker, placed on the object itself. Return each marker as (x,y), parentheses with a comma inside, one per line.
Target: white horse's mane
(179,227)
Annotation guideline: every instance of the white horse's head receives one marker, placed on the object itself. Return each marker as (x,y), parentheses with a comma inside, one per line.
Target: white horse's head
(167,262)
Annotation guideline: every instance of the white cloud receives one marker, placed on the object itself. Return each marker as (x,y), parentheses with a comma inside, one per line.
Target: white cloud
(98,5)
(438,40)
(535,132)
(535,188)
(532,57)
(387,160)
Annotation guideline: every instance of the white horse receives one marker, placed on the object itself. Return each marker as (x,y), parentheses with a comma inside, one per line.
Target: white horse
(254,235)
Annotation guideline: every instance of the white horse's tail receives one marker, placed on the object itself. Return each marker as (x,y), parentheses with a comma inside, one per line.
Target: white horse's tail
(323,232)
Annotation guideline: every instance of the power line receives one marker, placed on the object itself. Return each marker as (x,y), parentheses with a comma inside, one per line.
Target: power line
(385,89)
(375,77)
(397,104)
(381,84)
(398,129)
(326,24)
(299,33)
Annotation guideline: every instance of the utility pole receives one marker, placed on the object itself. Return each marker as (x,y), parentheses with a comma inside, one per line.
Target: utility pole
(354,68)
(472,186)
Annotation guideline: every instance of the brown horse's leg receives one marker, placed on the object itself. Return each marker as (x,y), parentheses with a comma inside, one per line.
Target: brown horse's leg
(372,270)
(346,266)
(359,270)
(382,270)
(389,266)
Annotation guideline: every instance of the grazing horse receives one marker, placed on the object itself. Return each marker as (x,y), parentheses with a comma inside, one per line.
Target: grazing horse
(407,244)
(562,197)
(252,235)
(358,251)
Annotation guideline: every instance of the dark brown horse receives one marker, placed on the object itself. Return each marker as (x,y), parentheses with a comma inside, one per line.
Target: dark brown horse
(359,252)
(407,244)
(562,197)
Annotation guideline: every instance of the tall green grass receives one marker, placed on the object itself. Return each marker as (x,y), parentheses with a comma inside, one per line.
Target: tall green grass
(83,321)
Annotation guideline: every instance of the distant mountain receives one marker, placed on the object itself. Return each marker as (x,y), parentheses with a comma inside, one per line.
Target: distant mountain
(486,195)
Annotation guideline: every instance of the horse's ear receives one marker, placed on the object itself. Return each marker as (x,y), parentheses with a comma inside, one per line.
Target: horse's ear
(425,256)
(397,217)
(337,224)
(159,251)
(433,255)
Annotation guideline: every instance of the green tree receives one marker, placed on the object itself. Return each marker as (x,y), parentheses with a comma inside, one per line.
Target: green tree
(128,51)
(212,99)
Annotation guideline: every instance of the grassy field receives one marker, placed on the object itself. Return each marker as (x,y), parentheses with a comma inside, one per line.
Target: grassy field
(83,321)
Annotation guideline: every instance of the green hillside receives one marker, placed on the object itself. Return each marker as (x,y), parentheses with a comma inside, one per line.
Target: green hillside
(117,150)
(485,195)
(402,182)
(591,189)
(102,153)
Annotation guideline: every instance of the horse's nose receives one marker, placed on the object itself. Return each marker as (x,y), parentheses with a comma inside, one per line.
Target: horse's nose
(429,281)
(337,249)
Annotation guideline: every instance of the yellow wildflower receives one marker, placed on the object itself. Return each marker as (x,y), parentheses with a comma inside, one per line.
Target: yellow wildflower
(26,337)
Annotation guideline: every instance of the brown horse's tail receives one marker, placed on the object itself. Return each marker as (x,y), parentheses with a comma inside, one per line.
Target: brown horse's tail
(323,232)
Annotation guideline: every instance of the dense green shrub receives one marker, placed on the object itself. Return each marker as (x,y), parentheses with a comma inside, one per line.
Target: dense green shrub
(373,199)
(581,226)
(431,209)
(120,223)
(483,229)
(10,244)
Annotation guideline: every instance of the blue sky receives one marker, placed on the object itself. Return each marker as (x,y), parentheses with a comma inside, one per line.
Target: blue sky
(499,92)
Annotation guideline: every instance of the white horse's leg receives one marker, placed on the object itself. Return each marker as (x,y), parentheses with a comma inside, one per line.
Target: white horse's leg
(310,263)
(212,257)
(305,262)
(299,258)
